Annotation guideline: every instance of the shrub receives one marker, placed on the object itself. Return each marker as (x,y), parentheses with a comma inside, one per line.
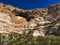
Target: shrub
(17,39)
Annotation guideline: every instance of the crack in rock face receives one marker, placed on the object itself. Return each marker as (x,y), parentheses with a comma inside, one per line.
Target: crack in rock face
(36,22)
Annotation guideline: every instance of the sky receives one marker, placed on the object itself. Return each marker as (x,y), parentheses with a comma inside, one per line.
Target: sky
(30,4)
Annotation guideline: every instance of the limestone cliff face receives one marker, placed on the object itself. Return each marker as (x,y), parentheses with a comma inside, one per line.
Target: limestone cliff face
(30,22)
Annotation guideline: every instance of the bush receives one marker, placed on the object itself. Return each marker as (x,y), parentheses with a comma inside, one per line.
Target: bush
(17,39)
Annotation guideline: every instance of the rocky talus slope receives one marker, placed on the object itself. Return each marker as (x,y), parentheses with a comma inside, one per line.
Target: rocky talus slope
(30,22)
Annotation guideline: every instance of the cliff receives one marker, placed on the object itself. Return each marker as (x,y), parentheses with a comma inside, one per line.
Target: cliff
(20,27)
(34,22)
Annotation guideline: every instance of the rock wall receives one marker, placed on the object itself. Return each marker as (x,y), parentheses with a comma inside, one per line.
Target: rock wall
(34,22)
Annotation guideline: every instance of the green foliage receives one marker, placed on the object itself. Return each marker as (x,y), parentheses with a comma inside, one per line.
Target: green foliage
(17,39)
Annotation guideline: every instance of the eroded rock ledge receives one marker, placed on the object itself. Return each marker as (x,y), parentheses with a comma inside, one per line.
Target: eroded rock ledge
(30,22)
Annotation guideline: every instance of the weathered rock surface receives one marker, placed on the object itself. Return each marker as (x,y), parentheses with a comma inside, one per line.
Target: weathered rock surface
(30,22)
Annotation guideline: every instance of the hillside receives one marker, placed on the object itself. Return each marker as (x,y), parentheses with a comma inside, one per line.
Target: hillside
(35,22)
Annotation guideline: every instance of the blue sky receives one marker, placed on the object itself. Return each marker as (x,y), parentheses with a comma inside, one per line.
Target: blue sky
(30,4)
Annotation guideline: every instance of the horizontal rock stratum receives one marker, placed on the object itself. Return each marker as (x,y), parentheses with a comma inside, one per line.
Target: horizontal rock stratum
(36,22)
